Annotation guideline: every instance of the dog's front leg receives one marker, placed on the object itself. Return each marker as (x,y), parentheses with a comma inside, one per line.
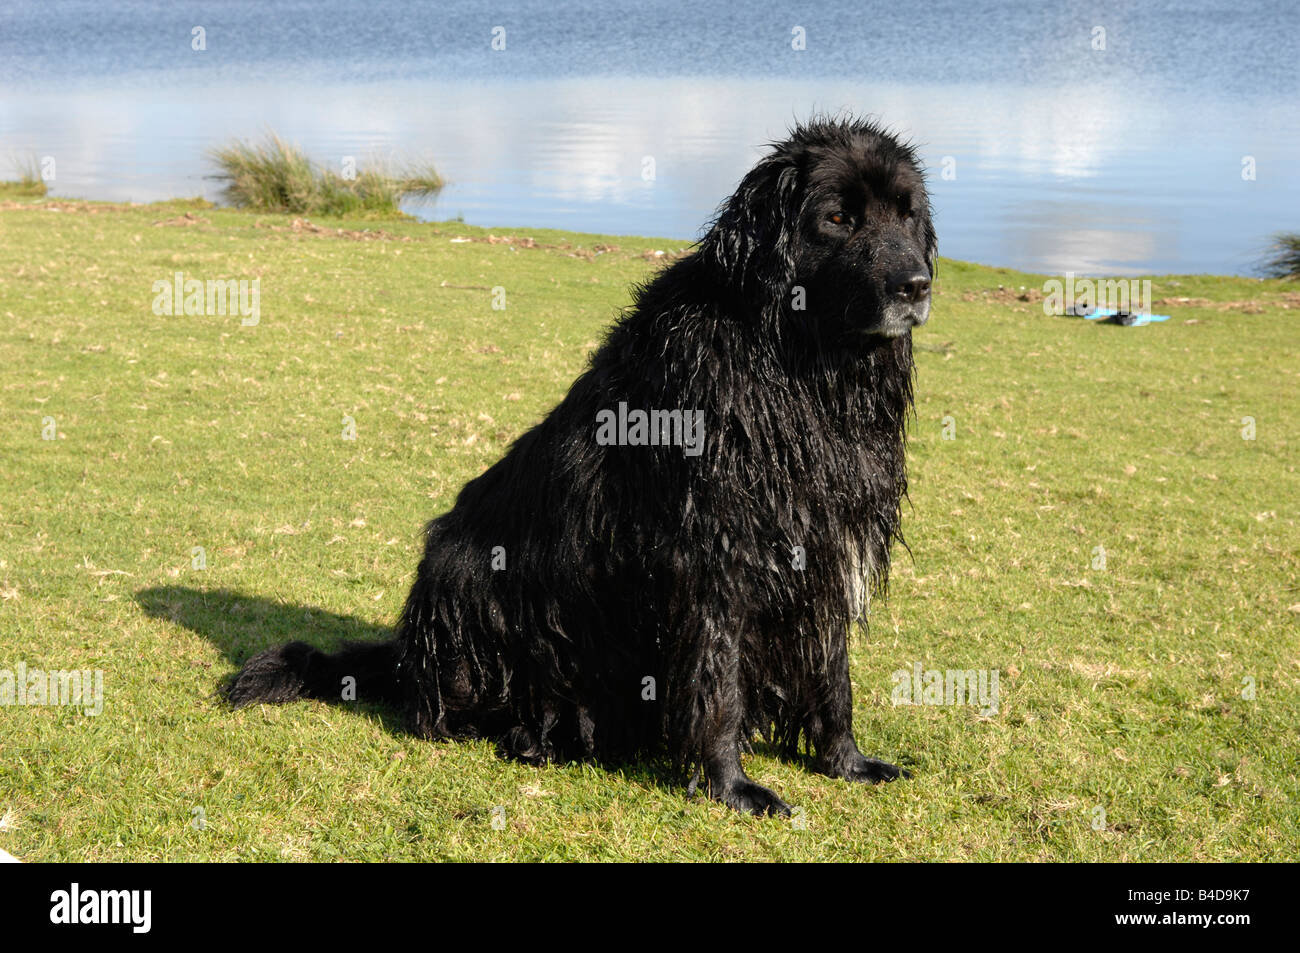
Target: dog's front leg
(832,729)
(728,783)
(705,717)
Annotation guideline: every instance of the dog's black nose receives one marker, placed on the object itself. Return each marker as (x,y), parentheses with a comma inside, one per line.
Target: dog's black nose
(908,285)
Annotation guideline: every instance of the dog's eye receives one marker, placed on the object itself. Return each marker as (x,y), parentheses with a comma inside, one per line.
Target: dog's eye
(841,218)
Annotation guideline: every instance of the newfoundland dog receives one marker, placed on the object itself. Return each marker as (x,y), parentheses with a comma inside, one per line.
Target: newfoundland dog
(670,561)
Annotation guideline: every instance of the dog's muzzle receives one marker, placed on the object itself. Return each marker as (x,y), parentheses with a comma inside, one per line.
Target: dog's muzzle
(907,301)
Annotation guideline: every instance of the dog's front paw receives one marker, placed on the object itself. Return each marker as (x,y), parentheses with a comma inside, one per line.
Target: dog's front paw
(746,796)
(870,770)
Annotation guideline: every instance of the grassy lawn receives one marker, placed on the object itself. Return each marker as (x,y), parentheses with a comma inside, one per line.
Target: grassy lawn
(1125,688)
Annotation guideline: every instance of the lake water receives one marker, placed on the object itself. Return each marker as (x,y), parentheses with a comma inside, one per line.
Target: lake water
(1045,152)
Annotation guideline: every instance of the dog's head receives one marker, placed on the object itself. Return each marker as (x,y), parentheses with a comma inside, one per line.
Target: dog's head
(832,227)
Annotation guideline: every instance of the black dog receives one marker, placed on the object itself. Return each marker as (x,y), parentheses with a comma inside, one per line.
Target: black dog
(677,551)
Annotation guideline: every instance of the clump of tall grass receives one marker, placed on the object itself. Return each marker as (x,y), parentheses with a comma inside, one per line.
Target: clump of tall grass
(1284,256)
(276,176)
(29,182)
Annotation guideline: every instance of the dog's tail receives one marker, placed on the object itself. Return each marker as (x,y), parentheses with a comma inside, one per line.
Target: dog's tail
(361,671)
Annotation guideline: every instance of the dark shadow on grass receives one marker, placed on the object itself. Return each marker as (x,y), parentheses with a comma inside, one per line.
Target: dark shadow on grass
(241,625)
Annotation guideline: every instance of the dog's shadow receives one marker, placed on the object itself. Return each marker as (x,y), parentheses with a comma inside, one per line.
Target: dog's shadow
(241,625)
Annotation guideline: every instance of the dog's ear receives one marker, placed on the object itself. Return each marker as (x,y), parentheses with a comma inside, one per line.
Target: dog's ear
(752,241)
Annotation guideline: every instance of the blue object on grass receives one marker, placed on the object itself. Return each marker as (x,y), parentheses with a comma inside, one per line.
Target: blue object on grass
(1137,319)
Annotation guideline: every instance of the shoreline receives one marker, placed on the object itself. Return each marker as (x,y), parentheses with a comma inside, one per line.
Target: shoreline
(11,199)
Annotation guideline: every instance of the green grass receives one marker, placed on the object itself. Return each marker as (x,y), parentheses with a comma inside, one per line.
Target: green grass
(1120,688)
(276,176)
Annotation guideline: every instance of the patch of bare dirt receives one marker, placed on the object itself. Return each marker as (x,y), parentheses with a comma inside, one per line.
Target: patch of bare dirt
(1003,295)
(57,205)
(189,218)
(586,253)
(304,226)
(1286,301)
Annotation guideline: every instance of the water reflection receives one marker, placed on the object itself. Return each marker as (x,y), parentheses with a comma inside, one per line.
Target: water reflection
(1093,177)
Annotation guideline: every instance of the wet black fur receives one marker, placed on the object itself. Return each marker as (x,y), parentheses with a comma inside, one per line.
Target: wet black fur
(628,563)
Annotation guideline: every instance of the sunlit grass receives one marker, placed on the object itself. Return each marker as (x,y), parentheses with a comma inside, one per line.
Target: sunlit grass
(1163,689)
